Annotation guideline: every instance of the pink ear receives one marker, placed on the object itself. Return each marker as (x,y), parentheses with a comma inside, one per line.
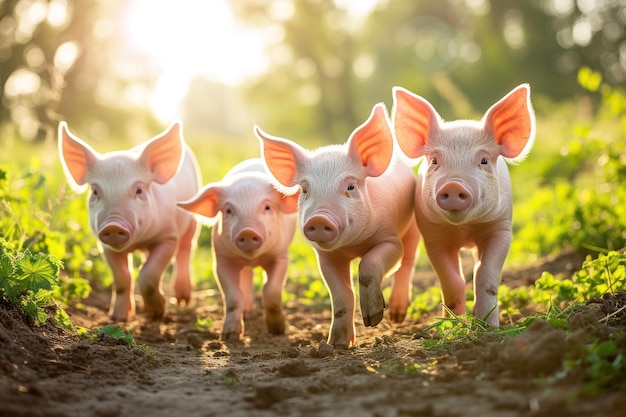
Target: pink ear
(289,203)
(372,142)
(205,202)
(76,156)
(164,153)
(413,119)
(281,157)
(512,122)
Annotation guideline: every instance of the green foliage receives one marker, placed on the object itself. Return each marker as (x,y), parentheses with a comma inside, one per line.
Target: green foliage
(424,302)
(112,331)
(204,323)
(28,282)
(72,290)
(598,362)
(575,202)
(605,274)
(588,79)
(37,212)
(557,297)
(467,328)
(601,364)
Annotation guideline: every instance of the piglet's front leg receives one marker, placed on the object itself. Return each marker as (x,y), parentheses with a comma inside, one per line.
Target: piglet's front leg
(379,260)
(150,275)
(228,277)
(399,299)
(445,261)
(272,296)
(336,274)
(492,252)
(122,302)
(182,266)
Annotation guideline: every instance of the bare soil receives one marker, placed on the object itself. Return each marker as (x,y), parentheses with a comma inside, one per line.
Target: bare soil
(47,371)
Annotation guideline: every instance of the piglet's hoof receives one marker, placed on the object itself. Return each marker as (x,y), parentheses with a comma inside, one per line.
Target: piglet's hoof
(373,319)
(154,306)
(230,336)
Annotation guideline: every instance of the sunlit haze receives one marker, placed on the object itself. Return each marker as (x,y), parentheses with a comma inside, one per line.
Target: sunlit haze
(191,38)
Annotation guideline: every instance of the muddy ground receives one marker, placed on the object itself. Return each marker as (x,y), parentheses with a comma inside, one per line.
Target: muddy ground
(46,371)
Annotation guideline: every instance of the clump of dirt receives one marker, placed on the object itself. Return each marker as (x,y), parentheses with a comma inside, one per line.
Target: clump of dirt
(181,370)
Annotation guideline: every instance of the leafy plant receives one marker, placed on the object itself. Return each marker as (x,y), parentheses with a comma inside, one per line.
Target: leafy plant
(28,281)
(424,302)
(31,219)
(605,274)
(601,364)
(551,299)
(204,323)
(112,331)
(467,328)
(578,187)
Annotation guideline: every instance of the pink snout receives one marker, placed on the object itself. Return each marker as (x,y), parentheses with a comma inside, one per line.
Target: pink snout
(320,228)
(114,234)
(453,196)
(248,240)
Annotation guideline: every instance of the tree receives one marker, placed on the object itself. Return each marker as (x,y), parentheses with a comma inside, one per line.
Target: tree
(326,71)
(309,89)
(58,58)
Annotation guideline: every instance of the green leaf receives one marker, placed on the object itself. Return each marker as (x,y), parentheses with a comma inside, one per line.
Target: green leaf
(606,349)
(203,324)
(34,272)
(116,332)
(64,319)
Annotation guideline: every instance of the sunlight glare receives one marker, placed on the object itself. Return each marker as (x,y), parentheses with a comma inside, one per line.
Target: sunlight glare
(193,38)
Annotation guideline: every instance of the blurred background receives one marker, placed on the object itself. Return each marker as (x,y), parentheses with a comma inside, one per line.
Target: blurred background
(304,69)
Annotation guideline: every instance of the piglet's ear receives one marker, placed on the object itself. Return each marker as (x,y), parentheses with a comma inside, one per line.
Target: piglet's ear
(281,157)
(511,121)
(205,202)
(372,142)
(289,203)
(414,119)
(164,153)
(76,157)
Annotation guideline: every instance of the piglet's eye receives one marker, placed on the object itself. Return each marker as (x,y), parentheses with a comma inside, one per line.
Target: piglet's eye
(484,161)
(267,207)
(433,161)
(350,187)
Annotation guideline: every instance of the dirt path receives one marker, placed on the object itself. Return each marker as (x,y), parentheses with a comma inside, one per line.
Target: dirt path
(190,372)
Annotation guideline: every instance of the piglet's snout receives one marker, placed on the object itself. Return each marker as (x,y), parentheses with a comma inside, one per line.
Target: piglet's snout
(320,228)
(114,234)
(453,196)
(248,240)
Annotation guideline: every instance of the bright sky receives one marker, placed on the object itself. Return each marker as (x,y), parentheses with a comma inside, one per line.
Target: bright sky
(188,38)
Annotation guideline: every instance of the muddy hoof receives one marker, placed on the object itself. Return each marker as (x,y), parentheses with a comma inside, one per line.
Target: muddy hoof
(373,319)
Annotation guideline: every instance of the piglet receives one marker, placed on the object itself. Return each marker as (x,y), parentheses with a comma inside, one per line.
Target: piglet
(356,200)
(254,225)
(463,196)
(132,206)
